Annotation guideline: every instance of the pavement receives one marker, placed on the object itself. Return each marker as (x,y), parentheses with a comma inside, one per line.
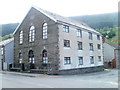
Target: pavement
(38,75)
(21,74)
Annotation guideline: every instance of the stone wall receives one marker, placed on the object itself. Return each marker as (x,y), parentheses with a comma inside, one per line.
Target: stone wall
(81,70)
(37,19)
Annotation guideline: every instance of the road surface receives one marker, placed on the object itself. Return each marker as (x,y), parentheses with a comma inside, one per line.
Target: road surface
(105,79)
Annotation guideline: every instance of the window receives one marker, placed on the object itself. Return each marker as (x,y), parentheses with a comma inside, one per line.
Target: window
(99,58)
(20,57)
(79,33)
(98,37)
(98,46)
(45,31)
(32,34)
(2,51)
(90,35)
(66,43)
(80,60)
(91,46)
(45,57)
(65,28)
(67,60)
(80,45)
(21,37)
(91,60)
(31,56)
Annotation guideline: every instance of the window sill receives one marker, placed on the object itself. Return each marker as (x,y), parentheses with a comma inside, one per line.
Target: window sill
(67,64)
(99,62)
(91,50)
(80,49)
(32,42)
(92,64)
(67,48)
(44,38)
(79,37)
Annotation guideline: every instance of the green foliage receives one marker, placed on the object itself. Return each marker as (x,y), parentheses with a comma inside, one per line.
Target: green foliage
(99,21)
(7,37)
(110,33)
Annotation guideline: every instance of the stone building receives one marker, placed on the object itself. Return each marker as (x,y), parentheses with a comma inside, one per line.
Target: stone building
(49,43)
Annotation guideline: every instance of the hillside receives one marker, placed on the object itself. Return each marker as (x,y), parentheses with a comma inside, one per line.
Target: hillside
(106,24)
(99,21)
(8,28)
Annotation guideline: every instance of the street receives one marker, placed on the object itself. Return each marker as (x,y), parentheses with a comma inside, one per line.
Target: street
(104,79)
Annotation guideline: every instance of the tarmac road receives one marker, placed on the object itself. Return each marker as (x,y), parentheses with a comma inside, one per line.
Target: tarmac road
(104,79)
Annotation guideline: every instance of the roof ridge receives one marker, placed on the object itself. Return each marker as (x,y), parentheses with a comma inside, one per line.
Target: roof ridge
(61,19)
(57,17)
(4,42)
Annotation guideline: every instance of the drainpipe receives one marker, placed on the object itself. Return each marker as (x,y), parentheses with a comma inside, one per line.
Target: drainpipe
(115,54)
(115,58)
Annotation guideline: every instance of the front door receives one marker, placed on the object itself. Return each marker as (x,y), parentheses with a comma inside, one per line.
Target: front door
(32,66)
(22,67)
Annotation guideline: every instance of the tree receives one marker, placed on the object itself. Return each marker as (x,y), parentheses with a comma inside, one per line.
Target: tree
(7,37)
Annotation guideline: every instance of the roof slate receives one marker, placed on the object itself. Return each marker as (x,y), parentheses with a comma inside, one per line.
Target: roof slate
(62,19)
(58,18)
(6,41)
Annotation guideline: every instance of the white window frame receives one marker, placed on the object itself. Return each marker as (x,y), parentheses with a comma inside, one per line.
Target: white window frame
(98,46)
(45,30)
(99,59)
(20,57)
(90,36)
(98,37)
(80,46)
(80,60)
(66,28)
(2,51)
(21,37)
(91,47)
(66,43)
(67,60)
(92,60)
(79,33)
(32,33)
(31,59)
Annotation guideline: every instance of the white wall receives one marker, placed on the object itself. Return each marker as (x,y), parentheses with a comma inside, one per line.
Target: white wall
(108,52)
(73,51)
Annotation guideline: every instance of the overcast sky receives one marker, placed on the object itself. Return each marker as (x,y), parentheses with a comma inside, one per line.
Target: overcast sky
(15,10)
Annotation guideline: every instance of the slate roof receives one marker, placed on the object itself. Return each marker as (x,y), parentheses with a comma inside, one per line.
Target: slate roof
(62,19)
(6,41)
(58,18)
(114,45)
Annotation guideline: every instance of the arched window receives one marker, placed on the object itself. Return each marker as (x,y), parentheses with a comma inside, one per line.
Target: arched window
(20,57)
(44,56)
(31,56)
(21,37)
(32,34)
(45,27)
